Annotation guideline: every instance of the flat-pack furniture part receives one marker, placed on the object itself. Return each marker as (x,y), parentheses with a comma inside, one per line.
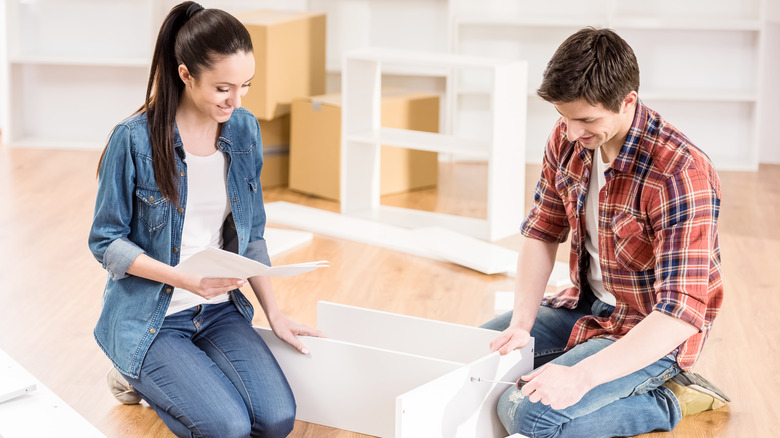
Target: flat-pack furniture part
(391,375)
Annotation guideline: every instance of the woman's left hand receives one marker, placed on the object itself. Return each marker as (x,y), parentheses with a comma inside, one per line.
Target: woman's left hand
(288,330)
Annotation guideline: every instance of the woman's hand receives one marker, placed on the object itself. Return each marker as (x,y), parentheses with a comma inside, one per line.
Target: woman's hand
(288,330)
(209,288)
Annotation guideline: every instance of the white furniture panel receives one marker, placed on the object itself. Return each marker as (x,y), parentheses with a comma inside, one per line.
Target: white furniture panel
(455,406)
(355,383)
(405,334)
(38,413)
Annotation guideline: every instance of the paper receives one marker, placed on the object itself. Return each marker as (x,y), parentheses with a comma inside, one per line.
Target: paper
(217,263)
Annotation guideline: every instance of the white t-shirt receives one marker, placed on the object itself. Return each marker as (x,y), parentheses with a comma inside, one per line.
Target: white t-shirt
(207,208)
(597,182)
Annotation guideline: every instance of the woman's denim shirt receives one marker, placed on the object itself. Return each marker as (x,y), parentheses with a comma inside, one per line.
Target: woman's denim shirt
(132,218)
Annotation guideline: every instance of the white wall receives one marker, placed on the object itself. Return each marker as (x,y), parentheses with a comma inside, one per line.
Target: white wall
(3,72)
(769,115)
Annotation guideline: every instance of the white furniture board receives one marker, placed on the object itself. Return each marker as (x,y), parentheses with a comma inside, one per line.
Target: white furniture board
(350,386)
(344,227)
(385,236)
(454,406)
(467,251)
(39,413)
(354,385)
(14,382)
(280,240)
(406,334)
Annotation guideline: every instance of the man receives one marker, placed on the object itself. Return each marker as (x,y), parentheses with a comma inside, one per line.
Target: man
(642,202)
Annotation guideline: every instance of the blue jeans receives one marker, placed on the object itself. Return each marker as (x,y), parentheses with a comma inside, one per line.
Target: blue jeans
(209,374)
(628,406)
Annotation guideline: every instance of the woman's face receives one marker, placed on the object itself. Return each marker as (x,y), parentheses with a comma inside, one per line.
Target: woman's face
(218,91)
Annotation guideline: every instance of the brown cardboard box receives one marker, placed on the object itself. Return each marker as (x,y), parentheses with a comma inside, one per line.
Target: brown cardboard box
(289,50)
(315,144)
(275,135)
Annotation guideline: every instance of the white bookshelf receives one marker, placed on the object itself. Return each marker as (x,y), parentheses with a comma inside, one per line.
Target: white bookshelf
(73,69)
(701,62)
(501,146)
(722,60)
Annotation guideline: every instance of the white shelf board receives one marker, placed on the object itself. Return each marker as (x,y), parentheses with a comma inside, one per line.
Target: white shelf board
(699,95)
(686,23)
(426,59)
(93,61)
(280,240)
(423,141)
(409,218)
(649,23)
(671,95)
(467,251)
(335,66)
(530,21)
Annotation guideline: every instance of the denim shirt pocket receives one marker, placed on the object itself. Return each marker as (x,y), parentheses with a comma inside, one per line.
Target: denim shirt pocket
(152,208)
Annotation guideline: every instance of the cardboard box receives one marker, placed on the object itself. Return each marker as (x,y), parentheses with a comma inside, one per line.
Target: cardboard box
(275,135)
(315,144)
(289,49)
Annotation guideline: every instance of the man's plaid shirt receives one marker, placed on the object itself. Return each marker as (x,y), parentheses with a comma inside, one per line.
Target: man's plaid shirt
(658,235)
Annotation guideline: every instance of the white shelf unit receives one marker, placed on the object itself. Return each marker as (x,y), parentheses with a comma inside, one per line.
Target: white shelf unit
(74,69)
(502,145)
(700,61)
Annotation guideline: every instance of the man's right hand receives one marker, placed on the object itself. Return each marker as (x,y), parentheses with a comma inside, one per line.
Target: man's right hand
(510,339)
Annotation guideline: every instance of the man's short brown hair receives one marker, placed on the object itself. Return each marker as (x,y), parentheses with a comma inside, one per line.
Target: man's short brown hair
(593,64)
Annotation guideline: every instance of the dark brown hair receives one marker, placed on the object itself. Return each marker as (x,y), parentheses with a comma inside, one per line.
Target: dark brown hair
(593,64)
(197,38)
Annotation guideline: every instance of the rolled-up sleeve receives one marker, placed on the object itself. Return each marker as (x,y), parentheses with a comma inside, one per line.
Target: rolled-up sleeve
(114,207)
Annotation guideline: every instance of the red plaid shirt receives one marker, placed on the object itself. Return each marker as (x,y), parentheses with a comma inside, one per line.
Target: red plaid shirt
(658,234)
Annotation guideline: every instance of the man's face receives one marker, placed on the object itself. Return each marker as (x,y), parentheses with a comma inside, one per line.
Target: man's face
(592,126)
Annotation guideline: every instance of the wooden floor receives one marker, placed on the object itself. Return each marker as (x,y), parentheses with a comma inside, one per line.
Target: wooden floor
(50,288)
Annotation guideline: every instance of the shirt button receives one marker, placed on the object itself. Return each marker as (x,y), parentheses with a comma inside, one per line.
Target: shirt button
(180,210)
(182,173)
(175,250)
(234,199)
(151,199)
(168,290)
(152,331)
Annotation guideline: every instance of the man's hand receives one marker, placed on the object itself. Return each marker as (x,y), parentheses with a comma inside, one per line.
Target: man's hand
(556,386)
(288,330)
(510,339)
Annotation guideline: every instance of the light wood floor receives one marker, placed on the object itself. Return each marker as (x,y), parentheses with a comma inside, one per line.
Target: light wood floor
(50,288)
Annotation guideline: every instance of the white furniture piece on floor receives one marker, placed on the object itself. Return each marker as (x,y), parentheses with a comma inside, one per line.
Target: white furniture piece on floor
(280,240)
(38,412)
(391,375)
(481,256)
(502,146)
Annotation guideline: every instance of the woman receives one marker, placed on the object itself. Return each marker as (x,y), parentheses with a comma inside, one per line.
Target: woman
(180,175)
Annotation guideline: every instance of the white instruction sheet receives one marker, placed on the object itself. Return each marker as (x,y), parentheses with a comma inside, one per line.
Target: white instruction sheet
(217,263)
